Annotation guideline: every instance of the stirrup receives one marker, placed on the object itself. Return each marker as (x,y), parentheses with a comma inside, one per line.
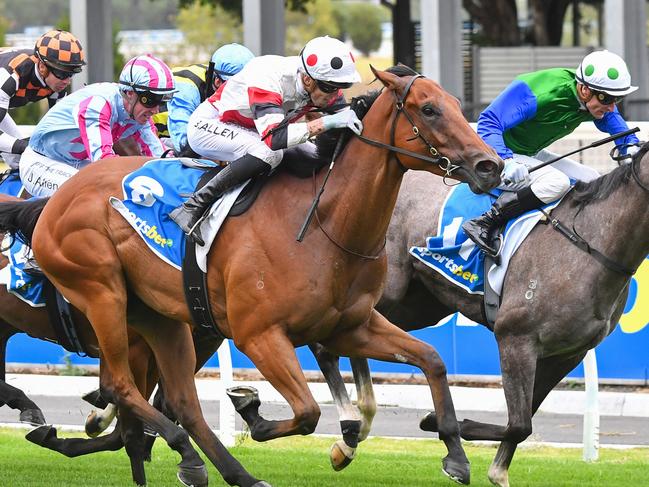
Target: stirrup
(496,255)
(194,231)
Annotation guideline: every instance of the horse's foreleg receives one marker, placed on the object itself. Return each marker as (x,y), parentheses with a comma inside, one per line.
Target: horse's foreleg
(46,437)
(274,356)
(172,345)
(365,393)
(342,451)
(549,371)
(379,339)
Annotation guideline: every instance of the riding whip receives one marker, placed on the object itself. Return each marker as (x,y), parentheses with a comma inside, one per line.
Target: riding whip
(316,200)
(597,143)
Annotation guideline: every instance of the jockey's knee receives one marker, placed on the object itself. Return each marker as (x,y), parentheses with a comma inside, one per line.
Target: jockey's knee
(551,186)
(270,157)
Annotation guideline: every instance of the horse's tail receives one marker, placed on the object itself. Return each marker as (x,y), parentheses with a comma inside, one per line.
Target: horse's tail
(19,217)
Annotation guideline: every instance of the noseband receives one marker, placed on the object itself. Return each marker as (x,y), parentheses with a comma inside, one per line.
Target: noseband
(443,162)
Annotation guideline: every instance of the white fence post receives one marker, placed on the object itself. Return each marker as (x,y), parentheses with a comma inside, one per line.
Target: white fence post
(591,409)
(226,408)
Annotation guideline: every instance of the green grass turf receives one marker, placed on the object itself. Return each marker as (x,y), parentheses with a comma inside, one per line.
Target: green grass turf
(304,462)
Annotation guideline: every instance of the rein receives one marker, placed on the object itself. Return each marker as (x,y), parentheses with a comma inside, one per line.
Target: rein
(443,162)
(576,239)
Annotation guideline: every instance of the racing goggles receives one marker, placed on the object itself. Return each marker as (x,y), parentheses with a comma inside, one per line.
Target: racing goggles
(151,100)
(606,98)
(331,87)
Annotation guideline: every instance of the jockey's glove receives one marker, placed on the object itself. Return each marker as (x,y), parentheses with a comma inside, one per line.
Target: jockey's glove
(515,175)
(20,145)
(343,119)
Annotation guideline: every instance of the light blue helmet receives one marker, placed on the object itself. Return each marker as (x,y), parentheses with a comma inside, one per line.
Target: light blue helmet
(230,59)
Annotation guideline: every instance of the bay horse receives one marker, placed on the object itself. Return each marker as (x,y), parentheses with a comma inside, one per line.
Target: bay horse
(547,320)
(268,292)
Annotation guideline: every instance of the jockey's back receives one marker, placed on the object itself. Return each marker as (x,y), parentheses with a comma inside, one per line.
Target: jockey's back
(265,79)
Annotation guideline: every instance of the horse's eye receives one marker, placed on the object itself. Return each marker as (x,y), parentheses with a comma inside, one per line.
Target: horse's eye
(428,111)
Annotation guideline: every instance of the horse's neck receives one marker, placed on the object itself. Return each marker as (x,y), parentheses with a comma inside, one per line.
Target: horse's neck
(364,187)
(617,225)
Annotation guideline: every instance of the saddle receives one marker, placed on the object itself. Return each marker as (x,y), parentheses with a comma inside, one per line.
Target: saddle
(194,279)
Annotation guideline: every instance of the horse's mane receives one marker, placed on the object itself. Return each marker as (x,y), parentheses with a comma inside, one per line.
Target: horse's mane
(603,186)
(326,142)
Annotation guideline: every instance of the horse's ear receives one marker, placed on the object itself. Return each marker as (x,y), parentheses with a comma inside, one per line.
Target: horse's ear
(389,80)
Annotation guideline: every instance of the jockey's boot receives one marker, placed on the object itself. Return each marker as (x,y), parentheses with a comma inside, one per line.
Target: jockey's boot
(189,215)
(509,205)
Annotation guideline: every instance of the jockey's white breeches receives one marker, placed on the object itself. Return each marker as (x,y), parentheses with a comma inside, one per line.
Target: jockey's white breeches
(551,182)
(42,176)
(221,141)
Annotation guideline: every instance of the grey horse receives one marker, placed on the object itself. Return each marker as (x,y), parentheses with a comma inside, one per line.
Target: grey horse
(576,299)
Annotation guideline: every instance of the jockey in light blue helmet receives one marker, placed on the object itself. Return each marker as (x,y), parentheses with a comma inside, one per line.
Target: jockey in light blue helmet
(228,60)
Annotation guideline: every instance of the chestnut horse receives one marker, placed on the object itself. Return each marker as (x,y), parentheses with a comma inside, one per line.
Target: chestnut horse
(268,292)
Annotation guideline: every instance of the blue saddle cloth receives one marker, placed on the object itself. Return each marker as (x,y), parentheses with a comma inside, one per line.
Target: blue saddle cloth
(451,252)
(150,194)
(28,287)
(11,185)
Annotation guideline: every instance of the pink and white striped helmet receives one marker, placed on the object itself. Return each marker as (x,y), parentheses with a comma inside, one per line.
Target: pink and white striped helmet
(147,73)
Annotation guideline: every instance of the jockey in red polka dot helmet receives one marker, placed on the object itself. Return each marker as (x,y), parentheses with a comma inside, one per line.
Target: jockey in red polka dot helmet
(330,62)
(268,111)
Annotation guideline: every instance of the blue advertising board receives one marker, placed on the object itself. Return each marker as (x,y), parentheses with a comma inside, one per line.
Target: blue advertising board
(467,348)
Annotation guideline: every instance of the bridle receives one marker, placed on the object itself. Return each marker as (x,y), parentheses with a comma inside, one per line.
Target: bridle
(443,162)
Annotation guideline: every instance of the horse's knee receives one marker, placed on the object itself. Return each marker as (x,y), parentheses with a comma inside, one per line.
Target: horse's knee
(519,432)
(308,420)
(435,364)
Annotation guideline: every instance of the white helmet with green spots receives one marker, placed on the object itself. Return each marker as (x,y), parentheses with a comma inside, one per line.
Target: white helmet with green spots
(607,72)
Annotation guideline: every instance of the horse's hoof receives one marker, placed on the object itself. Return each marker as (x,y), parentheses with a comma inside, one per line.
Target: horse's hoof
(459,472)
(429,423)
(93,424)
(261,483)
(341,455)
(193,476)
(41,435)
(94,398)
(498,476)
(32,416)
(243,396)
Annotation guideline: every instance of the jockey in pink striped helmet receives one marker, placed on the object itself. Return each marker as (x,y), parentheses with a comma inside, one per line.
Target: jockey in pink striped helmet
(84,126)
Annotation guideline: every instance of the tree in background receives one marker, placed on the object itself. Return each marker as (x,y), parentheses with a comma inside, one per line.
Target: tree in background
(316,20)
(363,25)
(207,27)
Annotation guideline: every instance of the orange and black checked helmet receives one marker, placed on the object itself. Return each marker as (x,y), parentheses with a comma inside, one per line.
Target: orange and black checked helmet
(60,50)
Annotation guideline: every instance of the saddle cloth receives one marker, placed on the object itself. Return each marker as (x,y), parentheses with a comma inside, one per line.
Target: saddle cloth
(28,287)
(456,257)
(153,191)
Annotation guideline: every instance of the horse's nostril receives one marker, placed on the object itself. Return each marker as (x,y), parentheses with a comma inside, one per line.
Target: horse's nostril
(486,168)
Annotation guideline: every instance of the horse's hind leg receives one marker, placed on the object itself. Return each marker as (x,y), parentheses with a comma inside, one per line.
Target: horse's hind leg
(549,371)
(274,356)
(172,345)
(379,339)
(12,396)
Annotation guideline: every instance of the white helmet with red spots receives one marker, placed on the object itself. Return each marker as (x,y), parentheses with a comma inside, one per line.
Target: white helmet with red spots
(328,59)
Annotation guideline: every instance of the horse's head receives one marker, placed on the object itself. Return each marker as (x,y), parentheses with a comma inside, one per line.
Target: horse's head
(429,122)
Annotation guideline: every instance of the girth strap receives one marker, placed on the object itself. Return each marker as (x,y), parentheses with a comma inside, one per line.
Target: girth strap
(195,287)
(195,281)
(58,311)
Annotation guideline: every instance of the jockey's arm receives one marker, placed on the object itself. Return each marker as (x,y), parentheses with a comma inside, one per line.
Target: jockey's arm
(180,108)
(10,140)
(147,138)
(613,123)
(511,107)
